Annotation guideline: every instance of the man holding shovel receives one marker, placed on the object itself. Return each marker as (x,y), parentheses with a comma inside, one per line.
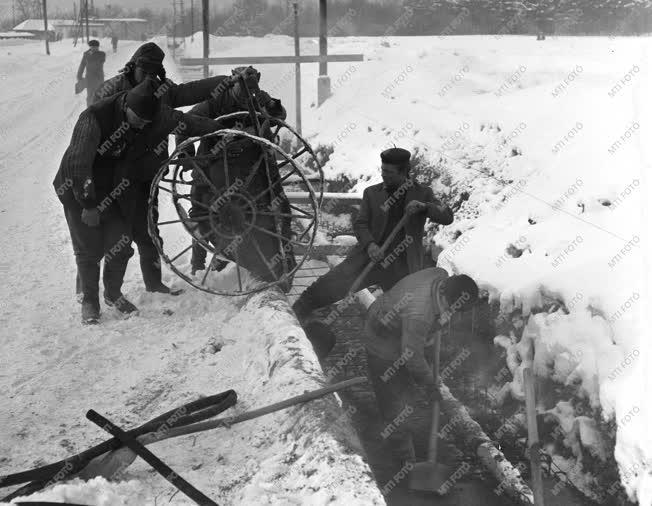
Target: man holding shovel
(392,212)
(402,328)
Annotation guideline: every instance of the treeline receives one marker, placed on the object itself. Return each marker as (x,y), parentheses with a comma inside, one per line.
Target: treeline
(436,17)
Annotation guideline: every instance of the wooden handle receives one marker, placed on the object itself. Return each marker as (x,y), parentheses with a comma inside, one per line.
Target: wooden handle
(434,429)
(533,436)
(358,281)
(227,422)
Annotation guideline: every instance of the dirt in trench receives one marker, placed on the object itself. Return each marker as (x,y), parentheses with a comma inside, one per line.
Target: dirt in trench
(475,486)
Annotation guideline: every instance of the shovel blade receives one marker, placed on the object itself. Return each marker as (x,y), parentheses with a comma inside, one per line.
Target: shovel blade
(429,477)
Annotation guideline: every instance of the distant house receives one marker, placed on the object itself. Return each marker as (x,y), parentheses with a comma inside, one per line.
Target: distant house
(69,28)
(37,28)
(125,28)
(16,35)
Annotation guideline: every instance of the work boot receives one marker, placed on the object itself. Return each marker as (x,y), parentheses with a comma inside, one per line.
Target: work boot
(120,303)
(162,288)
(90,313)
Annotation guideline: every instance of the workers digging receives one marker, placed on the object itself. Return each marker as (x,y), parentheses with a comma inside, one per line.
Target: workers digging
(383,207)
(147,63)
(97,192)
(399,335)
(93,63)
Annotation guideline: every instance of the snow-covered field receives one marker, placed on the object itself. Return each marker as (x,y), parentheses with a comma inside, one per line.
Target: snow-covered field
(550,140)
(52,370)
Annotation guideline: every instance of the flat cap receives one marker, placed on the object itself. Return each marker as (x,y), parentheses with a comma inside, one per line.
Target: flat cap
(395,156)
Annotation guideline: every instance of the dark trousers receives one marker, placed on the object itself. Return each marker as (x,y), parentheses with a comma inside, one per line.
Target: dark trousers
(111,239)
(150,263)
(200,193)
(335,284)
(396,399)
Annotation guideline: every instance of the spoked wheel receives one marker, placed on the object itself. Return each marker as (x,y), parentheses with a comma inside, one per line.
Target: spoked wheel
(229,202)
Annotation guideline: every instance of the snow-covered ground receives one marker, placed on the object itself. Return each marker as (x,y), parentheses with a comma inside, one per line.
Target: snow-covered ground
(539,133)
(549,138)
(52,370)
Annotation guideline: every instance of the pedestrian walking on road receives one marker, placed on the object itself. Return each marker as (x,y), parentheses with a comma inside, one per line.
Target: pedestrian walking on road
(93,62)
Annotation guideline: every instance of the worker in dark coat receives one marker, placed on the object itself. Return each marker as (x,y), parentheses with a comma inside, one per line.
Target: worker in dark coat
(383,206)
(230,99)
(93,62)
(401,327)
(114,42)
(98,194)
(147,62)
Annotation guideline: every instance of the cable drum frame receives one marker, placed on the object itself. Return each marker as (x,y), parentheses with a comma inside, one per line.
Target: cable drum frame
(179,167)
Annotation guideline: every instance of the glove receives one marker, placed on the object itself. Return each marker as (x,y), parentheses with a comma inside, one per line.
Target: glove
(374,252)
(91,217)
(414,207)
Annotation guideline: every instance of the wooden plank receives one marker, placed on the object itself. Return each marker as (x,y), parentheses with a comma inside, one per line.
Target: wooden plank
(301,197)
(533,436)
(322,251)
(250,60)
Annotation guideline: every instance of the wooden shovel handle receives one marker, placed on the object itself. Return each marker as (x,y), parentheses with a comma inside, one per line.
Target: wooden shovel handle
(434,429)
(358,281)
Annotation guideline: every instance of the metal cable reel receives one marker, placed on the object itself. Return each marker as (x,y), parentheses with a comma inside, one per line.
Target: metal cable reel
(229,201)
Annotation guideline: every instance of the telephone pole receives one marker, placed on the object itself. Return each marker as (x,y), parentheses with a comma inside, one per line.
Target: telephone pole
(45,21)
(88,33)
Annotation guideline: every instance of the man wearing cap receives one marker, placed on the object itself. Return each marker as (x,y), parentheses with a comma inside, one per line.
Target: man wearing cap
(106,134)
(383,206)
(231,99)
(93,62)
(400,329)
(147,62)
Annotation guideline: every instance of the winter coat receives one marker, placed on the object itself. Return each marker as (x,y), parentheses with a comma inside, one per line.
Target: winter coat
(371,222)
(93,62)
(105,153)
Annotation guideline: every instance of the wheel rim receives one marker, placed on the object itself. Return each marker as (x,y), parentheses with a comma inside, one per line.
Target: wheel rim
(236,214)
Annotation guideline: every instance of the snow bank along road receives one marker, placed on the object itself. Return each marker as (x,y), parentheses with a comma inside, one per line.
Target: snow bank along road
(52,369)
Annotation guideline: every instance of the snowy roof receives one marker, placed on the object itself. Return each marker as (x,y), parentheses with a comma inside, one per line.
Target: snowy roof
(126,20)
(7,35)
(36,25)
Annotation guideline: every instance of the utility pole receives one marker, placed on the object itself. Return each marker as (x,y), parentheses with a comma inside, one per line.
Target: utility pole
(192,20)
(204,11)
(297,66)
(45,21)
(174,28)
(88,33)
(323,81)
(13,13)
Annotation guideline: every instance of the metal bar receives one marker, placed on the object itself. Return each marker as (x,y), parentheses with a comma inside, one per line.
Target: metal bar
(294,157)
(201,218)
(308,215)
(203,279)
(251,60)
(189,247)
(265,231)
